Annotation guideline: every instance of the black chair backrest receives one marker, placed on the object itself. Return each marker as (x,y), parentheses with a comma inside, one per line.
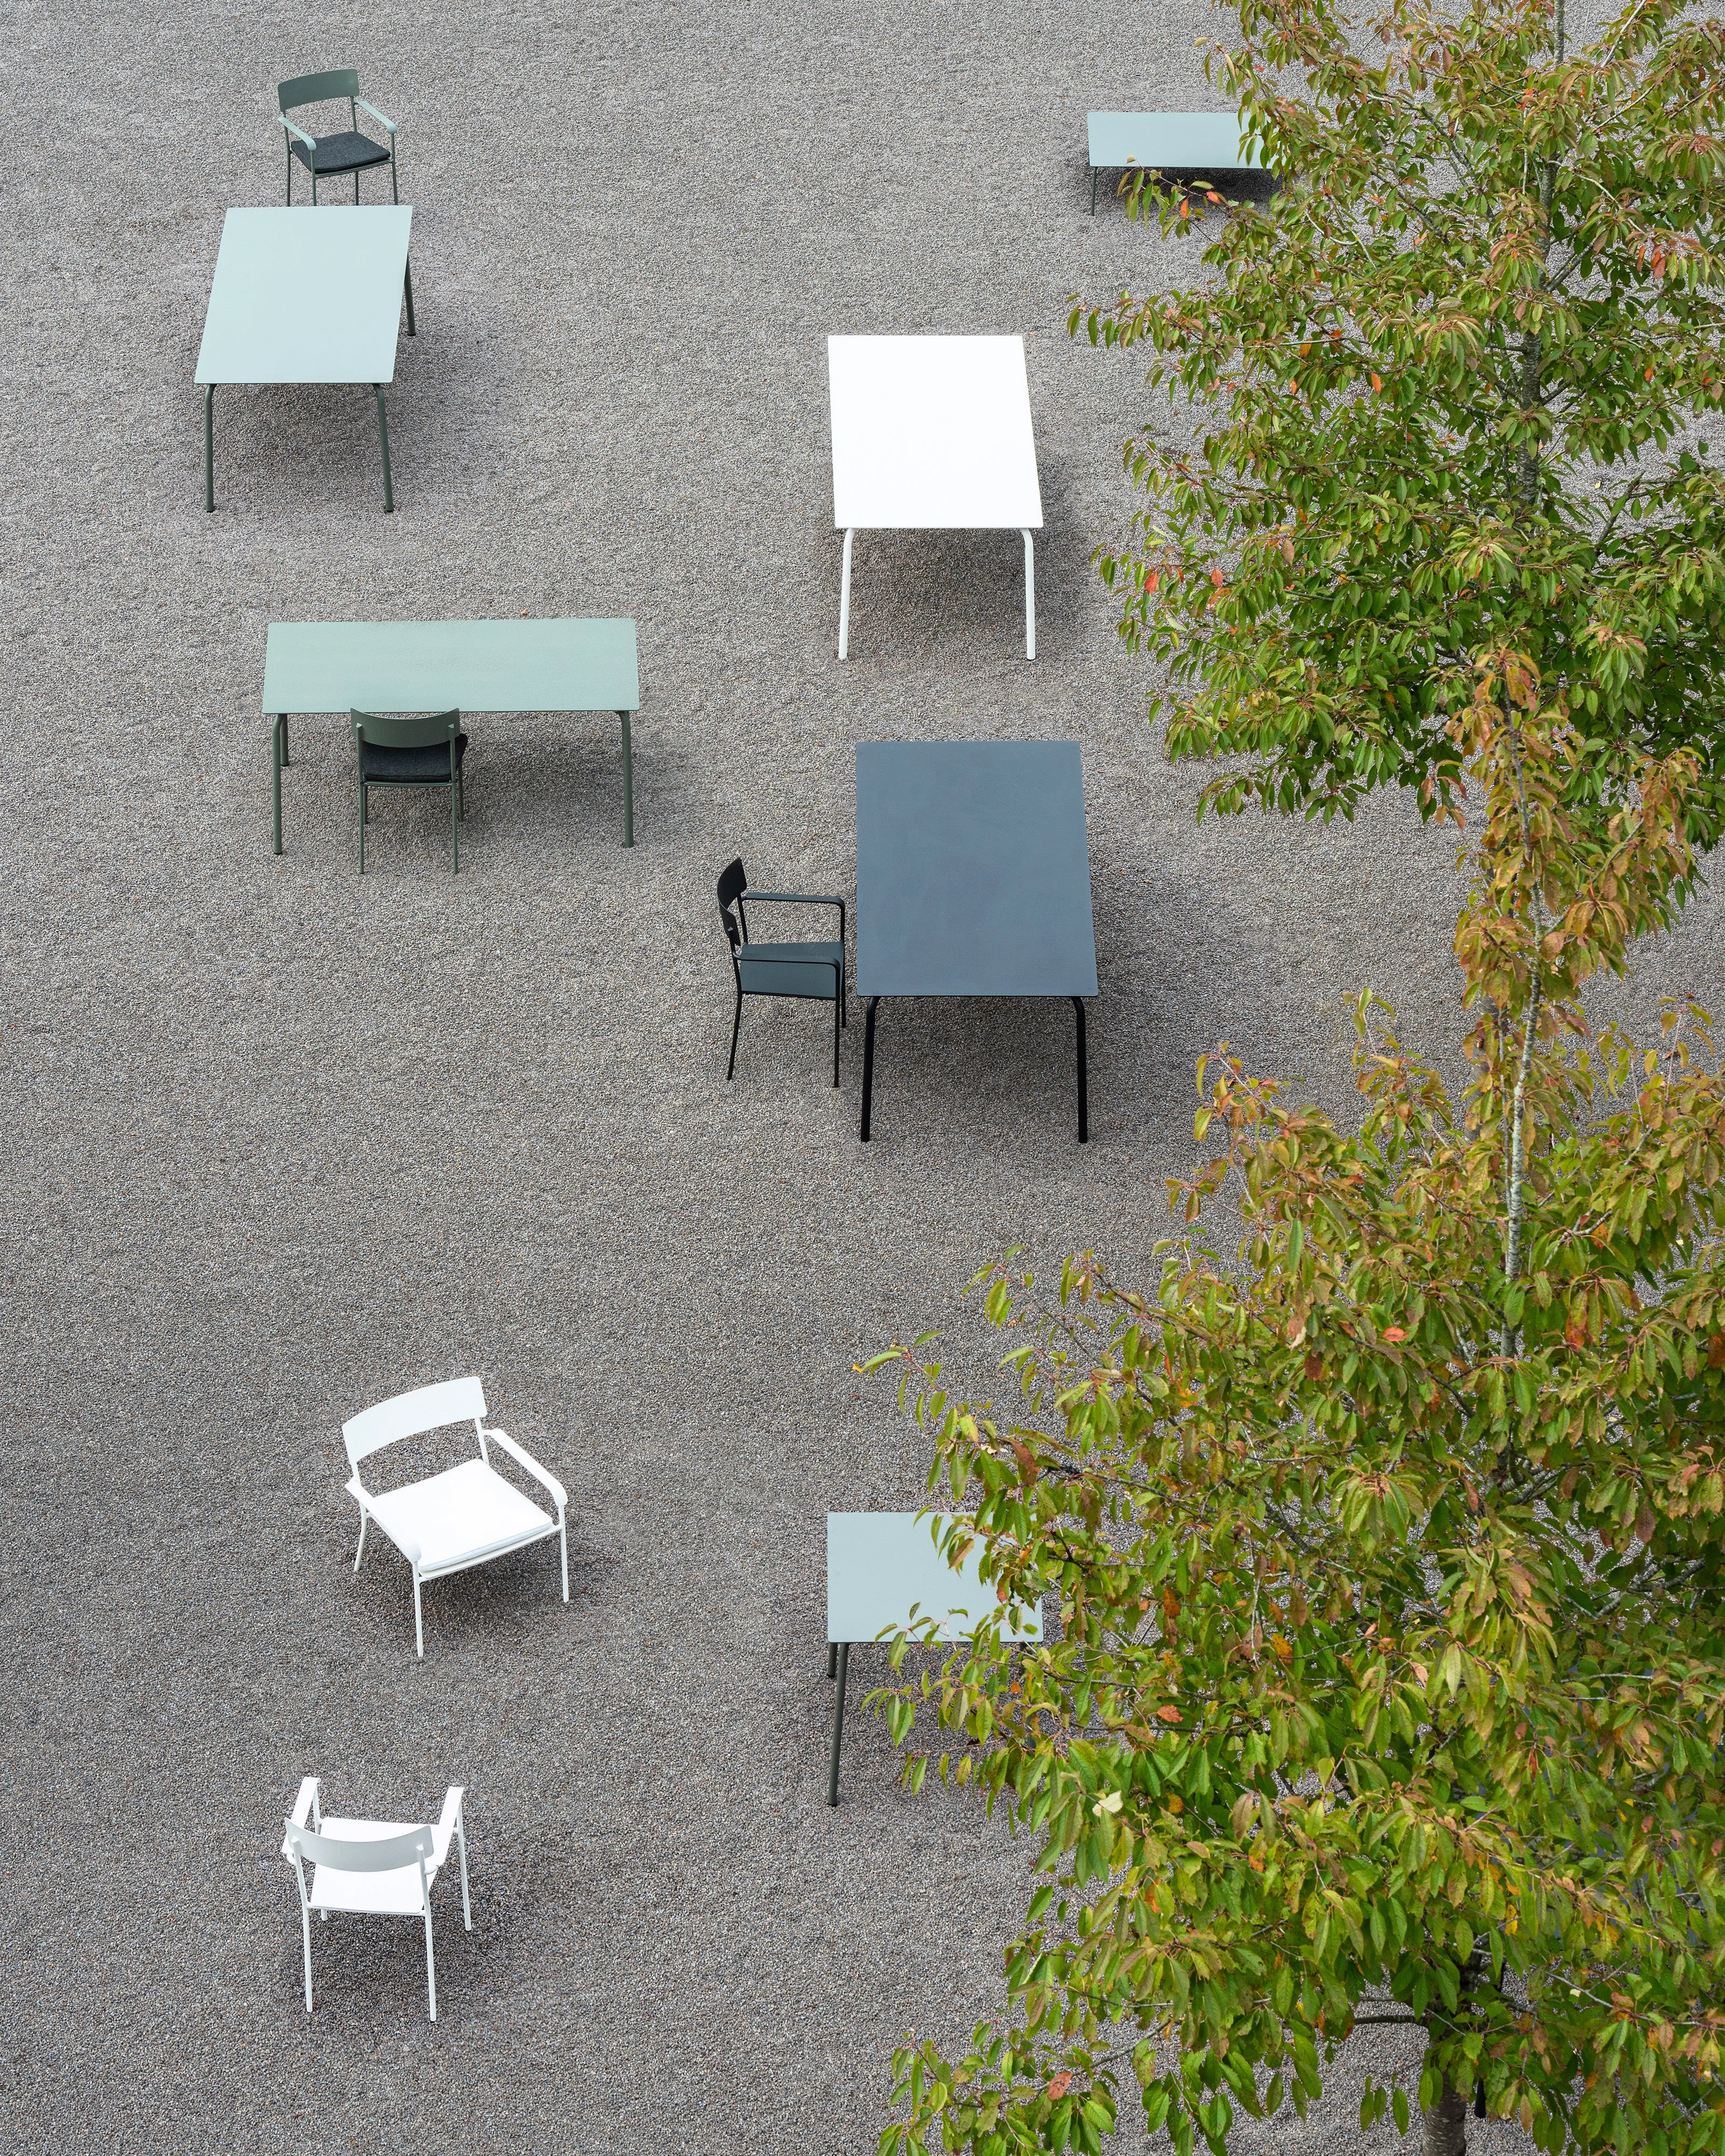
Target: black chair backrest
(314,89)
(405,733)
(732,883)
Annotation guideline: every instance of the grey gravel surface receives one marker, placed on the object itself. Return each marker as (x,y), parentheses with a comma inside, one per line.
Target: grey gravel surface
(282,1142)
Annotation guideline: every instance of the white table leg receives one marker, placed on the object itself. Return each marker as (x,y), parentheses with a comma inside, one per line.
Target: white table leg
(844,600)
(1029,599)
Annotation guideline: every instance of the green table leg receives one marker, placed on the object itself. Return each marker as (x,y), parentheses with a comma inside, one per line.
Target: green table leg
(278,743)
(842,1675)
(383,440)
(209,445)
(628,784)
(408,288)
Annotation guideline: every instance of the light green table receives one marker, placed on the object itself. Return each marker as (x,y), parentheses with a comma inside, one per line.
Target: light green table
(305,296)
(387,666)
(1166,143)
(880,1567)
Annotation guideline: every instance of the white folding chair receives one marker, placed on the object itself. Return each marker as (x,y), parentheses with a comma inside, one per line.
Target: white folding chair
(379,1867)
(465,1517)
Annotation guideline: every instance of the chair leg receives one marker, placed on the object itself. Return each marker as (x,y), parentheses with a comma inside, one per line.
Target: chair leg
(563,1533)
(306,1935)
(736,1021)
(430,1964)
(455,833)
(365,1521)
(461,1837)
(419,1620)
(837,1013)
(364,810)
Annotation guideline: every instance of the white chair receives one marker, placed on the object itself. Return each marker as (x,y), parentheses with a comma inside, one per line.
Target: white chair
(376,1867)
(465,1517)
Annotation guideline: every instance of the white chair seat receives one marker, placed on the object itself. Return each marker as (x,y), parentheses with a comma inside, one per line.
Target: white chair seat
(376,1893)
(462,1516)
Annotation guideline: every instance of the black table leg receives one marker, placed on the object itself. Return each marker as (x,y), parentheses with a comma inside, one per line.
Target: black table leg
(868,1077)
(1083,1077)
(384,442)
(838,1723)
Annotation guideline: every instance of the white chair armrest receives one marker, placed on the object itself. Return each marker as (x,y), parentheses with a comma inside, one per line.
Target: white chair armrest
(309,141)
(375,113)
(525,1458)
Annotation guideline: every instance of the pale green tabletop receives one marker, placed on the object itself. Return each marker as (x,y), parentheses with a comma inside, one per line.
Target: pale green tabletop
(1168,142)
(307,295)
(387,666)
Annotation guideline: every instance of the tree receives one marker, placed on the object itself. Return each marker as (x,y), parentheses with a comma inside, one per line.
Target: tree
(1453,375)
(1389,1677)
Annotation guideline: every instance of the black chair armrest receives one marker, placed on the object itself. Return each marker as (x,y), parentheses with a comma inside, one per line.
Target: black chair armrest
(796,898)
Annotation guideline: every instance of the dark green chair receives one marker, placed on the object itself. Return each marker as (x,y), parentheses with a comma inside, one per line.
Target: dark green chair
(814,972)
(411,753)
(326,155)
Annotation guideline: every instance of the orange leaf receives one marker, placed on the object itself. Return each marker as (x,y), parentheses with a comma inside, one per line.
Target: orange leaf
(1167,1714)
(1314,1368)
(1394,1332)
(1060,2085)
(1377,384)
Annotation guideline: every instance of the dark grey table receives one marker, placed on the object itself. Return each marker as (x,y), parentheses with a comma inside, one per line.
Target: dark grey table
(972,879)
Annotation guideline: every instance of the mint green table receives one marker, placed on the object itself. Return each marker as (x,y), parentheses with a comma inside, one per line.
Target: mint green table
(880,1567)
(305,296)
(1166,142)
(387,666)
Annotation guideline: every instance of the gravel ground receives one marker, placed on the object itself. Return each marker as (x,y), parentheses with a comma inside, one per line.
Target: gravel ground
(282,1143)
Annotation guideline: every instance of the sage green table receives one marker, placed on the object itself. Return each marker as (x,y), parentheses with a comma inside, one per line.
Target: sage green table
(387,666)
(307,295)
(1166,143)
(881,1568)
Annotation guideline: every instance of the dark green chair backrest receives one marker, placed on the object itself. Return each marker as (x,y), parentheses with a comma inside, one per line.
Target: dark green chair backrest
(405,733)
(313,88)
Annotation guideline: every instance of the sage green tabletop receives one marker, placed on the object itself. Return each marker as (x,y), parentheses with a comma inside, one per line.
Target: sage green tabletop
(307,295)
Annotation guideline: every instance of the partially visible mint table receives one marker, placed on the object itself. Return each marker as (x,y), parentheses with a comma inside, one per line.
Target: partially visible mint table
(1166,142)
(305,296)
(880,1566)
(387,666)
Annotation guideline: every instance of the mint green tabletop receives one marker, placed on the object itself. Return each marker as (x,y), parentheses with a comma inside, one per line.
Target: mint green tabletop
(1169,141)
(434,665)
(307,295)
(879,1564)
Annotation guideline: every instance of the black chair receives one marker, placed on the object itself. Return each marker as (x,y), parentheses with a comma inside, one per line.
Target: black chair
(324,156)
(814,972)
(411,753)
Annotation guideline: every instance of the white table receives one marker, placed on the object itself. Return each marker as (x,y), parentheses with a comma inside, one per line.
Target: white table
(305,296)
(932,433)
(880,1566)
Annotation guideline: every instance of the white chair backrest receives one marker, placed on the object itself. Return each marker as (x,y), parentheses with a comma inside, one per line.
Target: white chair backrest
(460,1399)
(394,1854)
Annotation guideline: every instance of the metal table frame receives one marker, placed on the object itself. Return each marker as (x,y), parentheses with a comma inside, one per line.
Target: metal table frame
(576,665)
(950,834)
(316,299)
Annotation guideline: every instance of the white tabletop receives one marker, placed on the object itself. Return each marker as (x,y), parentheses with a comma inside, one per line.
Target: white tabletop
(880,1563)
(307,295)
(931,433)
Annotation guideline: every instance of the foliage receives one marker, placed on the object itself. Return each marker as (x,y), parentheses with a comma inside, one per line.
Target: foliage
(1389,1561)
(1454,373)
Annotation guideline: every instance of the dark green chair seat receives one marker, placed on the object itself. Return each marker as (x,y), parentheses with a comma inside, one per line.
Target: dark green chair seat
(340,153)
(395,752)
(813,971)
(428,765)
(351,151)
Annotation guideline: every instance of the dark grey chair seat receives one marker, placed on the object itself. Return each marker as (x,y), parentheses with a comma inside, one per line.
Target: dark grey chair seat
(341,153)
(815,970)
(425,766)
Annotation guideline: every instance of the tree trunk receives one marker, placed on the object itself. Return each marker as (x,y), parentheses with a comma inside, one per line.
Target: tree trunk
(1446,2125)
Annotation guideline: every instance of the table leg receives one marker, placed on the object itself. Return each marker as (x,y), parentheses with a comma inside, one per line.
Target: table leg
(844,600)
(1093,177)
(628,783)
(838,1723)
(832,1661)
(209,446)
(407,286)
(868,1066)
(1083,1076)
(1029,599)
(383,440)
(286,757)
(278,744)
